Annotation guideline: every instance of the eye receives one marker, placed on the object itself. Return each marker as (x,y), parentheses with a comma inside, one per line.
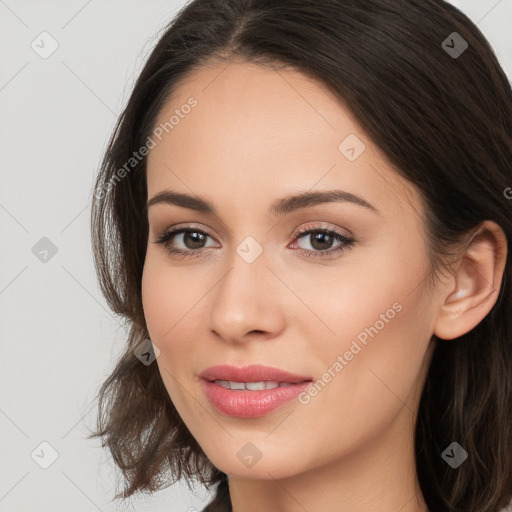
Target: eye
(320,241)
(191,238)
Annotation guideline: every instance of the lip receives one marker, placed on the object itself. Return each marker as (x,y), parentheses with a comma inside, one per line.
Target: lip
(251,373)
(251,404)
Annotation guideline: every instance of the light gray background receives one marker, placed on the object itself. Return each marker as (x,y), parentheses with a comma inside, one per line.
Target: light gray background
(59,340)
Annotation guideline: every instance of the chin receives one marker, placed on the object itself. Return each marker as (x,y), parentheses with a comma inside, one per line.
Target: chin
(248,460)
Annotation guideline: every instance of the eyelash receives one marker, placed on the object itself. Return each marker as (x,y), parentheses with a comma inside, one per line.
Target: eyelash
(346,242)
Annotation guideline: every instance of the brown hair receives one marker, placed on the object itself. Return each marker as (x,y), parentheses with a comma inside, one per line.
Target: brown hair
(444,121)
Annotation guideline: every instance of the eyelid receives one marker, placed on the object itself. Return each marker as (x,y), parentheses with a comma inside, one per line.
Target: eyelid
(311,226)
(321,226)
(347,240)
(184,226)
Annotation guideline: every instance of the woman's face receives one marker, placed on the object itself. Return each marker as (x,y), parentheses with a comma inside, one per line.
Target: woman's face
(357,317)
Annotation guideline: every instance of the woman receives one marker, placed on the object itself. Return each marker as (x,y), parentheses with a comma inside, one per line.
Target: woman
(303,216)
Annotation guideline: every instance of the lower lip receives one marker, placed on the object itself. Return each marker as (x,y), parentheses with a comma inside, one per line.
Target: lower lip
(250,404)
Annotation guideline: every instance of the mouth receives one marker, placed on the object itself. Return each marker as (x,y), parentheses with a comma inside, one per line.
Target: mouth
(254,386)
(251,391)
(247,403)
(252,377)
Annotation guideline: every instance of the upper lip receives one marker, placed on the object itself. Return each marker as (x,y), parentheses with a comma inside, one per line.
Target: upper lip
(251,373)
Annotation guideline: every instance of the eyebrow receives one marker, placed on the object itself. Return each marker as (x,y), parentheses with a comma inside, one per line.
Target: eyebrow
(278,207)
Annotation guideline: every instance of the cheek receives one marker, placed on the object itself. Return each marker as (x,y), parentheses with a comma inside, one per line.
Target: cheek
(168,301)
(168,297)
(156,302)
(173,301)
(379,312)
(374,288)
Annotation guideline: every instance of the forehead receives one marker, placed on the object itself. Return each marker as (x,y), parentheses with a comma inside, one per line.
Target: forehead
(261,133)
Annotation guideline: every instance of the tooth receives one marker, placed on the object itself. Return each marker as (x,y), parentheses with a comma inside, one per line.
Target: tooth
(255,386)
(251,386)
(236,385)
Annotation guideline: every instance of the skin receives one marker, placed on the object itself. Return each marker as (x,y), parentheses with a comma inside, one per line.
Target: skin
(257,135)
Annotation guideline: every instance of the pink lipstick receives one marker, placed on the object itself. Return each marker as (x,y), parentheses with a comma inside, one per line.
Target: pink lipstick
(251,391)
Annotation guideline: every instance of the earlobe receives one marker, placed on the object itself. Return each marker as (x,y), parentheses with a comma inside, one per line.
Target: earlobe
(475,285)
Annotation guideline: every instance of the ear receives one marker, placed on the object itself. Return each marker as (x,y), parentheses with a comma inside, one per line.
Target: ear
(475,286)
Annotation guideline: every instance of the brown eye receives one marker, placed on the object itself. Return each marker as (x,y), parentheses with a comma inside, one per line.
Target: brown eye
(321,242)
(190,241)
(193,239)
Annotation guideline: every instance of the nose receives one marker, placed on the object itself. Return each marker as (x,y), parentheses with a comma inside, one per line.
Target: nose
(247,302)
